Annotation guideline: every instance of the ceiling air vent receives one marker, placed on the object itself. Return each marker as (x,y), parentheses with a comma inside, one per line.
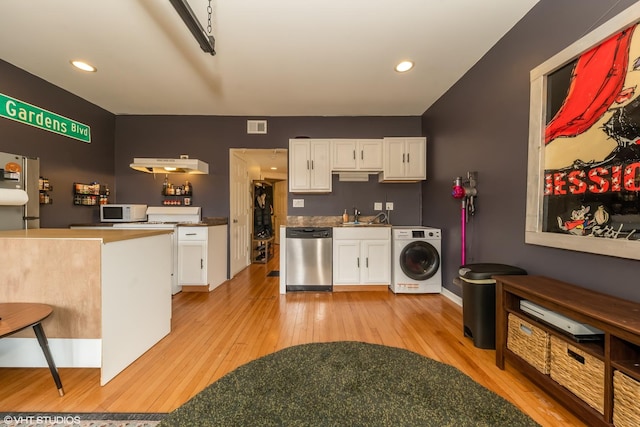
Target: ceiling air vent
(257,126)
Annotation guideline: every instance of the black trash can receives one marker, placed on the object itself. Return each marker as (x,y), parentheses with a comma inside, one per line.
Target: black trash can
(479,301)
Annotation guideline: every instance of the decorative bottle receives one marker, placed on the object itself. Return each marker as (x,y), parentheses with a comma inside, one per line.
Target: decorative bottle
(165,186)
(345,216)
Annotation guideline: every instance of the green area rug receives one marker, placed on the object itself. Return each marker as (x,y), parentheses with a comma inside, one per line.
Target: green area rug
(346,384)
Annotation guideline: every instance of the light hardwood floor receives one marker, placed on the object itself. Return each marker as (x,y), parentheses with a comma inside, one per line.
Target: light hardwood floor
(246,318)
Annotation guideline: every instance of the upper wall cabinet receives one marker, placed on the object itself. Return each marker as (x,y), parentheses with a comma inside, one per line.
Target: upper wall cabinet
(405,159)
(309,165)
(357,155)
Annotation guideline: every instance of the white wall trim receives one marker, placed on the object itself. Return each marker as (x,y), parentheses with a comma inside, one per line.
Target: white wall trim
(66,353)
(453,297)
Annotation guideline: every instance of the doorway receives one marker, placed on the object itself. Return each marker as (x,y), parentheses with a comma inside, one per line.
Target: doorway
(247,165)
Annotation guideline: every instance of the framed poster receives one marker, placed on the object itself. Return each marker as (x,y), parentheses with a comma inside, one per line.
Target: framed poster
(583,177)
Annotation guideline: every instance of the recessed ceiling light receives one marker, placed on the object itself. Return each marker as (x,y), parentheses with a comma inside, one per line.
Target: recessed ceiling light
(404,66)
(84,66)
(273,168)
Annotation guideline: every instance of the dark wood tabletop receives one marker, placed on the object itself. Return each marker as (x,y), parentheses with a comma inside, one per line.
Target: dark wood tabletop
(15,316)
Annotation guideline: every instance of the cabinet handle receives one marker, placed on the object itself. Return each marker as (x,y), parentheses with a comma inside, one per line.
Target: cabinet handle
(190,234)
(201,263)
(307,164)
(358,262)
(354,154)
(367,262)
(576,356)
(526,330)
(408,157)
(402,157)
(311,164)
(361,154)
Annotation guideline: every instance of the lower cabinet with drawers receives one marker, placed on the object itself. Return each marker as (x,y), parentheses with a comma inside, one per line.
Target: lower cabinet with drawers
(202,257)
(597,379)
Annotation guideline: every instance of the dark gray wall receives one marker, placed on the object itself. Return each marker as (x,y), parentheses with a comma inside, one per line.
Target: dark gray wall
(481,124)
(63,160)
(209,138)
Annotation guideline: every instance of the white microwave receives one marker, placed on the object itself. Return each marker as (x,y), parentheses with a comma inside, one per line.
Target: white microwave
(123,213)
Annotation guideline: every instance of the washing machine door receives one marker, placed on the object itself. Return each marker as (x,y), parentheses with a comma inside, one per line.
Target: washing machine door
(419,260)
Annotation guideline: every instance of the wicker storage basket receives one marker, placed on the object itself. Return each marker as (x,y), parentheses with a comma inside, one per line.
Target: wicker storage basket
(529,342)
(579,372)
(626,400)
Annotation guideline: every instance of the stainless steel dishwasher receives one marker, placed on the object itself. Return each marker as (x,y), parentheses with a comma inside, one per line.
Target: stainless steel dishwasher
(309,259)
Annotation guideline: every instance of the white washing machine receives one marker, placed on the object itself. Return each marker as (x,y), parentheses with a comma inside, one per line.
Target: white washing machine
(416,266)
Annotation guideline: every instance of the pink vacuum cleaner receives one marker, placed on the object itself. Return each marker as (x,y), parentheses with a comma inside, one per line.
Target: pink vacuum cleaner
(465,191)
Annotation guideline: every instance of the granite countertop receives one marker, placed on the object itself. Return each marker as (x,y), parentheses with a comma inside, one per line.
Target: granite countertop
(107,236)
(329,221)
(206,222)
(93,224)
(210,221)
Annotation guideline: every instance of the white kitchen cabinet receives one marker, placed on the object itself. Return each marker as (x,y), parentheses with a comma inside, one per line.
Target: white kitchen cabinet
(310,165)
(361,256)
(405,159)
(202,257)
(357,155)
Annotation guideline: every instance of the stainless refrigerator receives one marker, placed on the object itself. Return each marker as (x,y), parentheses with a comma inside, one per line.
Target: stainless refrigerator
(19,192)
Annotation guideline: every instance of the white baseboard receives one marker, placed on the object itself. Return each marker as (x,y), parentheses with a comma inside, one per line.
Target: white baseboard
(453,297)
(66,353)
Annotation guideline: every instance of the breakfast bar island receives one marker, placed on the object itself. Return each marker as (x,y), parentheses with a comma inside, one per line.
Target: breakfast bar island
(110,291)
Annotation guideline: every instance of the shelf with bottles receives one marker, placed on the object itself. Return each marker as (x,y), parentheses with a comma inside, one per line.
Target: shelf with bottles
(176,195)
(44,187)
(92,194)
(177,201)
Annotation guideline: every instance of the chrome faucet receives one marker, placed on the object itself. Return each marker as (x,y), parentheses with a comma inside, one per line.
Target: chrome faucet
(382,217)
(356,214)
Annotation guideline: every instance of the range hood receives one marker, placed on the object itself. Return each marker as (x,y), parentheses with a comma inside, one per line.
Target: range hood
(181,165)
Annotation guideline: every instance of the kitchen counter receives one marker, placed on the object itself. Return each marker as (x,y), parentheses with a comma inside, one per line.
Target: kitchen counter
(329,221)
(110,291)
(106,236)
(380,234)
(361,224)
(215,220)
(206,222)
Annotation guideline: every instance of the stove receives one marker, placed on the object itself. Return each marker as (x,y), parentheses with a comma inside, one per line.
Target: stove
(165,217)
(145,225)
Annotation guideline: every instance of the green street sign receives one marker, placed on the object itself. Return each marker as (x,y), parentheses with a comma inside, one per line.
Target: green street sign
(14,109)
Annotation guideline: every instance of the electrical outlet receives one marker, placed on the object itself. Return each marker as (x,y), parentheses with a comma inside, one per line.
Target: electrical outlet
(377,206)
(298,203)
(389,206)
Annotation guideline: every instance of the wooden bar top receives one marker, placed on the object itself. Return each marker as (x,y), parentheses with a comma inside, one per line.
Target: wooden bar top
(107,236)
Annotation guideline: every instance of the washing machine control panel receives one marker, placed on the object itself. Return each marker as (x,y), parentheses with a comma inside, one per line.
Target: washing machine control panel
(408,233)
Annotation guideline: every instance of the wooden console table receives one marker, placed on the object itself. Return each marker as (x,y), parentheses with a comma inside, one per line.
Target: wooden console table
(618,318)
(15,317)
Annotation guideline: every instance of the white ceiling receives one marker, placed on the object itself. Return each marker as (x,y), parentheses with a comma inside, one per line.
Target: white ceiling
(266,162)
(274,58)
